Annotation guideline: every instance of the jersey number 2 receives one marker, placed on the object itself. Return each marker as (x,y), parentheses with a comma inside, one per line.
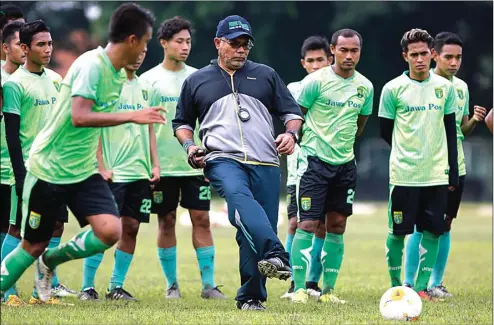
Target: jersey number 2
(351,196)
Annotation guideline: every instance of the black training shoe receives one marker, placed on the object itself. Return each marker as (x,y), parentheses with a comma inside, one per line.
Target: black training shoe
(274,268)
(119,293)
(313,289)
(88,294)
(250,305)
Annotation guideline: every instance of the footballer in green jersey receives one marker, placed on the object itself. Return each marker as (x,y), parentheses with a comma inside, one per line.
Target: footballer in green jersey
(448,54)
(15,57)
(9,241)
(337,101)
(315,54)
(30,96)
(179,182)
(62,164)
(417,113)
(128,161)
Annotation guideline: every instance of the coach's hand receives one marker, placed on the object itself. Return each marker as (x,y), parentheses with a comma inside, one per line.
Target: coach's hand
(196,157)
(155,175)
(149,116)
(285,144)
(106,174)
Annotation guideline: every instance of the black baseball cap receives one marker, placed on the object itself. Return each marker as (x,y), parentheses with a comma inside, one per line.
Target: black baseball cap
(233,27)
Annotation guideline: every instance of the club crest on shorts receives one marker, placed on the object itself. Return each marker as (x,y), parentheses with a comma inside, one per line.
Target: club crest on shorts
(288,198)
(398,217)
(439,92)
(460,93)
(34,220)
(145,94)
(305,202)
(158,197)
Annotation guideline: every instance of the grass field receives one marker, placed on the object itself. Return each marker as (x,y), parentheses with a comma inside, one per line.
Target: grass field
(363,278)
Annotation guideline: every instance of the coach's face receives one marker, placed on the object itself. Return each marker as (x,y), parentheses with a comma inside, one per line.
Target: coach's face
(233,53)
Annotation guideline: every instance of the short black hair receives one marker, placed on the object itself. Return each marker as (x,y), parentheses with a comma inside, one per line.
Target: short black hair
(173,26)
(314,43)
(9,12)
(445,38)
(28,30)
(129,19)
(415,35)
(346,33)
(8,32)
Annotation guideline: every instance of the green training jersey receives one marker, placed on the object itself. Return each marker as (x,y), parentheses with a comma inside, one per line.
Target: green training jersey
(63,153)
(5,167)
(419,152)
(291,160)
(333,106)
(173,159)
(33,98)
(127,148)
(463,109)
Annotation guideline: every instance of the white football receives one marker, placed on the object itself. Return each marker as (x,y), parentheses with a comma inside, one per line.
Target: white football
(400,303)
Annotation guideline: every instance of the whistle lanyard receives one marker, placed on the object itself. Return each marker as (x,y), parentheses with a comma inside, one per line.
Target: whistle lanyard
(242,113)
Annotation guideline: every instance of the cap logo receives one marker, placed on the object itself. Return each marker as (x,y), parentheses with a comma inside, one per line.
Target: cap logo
(238,24)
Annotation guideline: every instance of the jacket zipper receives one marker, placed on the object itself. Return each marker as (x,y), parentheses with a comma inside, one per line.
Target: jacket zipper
(238,120)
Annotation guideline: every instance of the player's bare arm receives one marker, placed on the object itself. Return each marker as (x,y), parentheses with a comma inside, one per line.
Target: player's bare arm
(467,125)
(361,122)
(105,173)
(83,115)
(155,161)
(488,120)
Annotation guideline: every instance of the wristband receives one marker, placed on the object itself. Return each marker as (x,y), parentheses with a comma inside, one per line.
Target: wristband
(187,144)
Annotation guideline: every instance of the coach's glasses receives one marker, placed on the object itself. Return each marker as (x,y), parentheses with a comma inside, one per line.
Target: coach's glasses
(236,44)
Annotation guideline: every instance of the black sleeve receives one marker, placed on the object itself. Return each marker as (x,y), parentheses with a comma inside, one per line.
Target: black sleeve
(285,106)
(186,114)
(450,126)
(386,126)
(12,127)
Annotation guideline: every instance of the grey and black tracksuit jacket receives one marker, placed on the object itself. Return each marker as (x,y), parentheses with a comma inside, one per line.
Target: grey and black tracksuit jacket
(208,96)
